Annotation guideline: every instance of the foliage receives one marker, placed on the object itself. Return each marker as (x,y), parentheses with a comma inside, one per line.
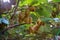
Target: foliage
(31,20)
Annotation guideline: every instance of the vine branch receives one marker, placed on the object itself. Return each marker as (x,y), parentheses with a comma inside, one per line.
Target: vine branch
(15,9)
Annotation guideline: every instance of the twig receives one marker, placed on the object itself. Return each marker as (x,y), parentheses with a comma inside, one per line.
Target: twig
(15,9)
(9,27)
(12,26)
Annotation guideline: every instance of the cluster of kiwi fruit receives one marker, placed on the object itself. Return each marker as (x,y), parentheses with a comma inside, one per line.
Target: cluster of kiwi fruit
(25,16)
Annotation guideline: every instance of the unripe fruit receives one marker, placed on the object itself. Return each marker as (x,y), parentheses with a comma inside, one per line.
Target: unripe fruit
(21,15)
(27,13)
(20,21)
(26,20)
(32,8)
(34,29)
(39,22)
(30,20)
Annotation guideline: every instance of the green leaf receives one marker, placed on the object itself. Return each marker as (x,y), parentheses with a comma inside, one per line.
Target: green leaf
(45,28)
(44,10)
(56,0)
